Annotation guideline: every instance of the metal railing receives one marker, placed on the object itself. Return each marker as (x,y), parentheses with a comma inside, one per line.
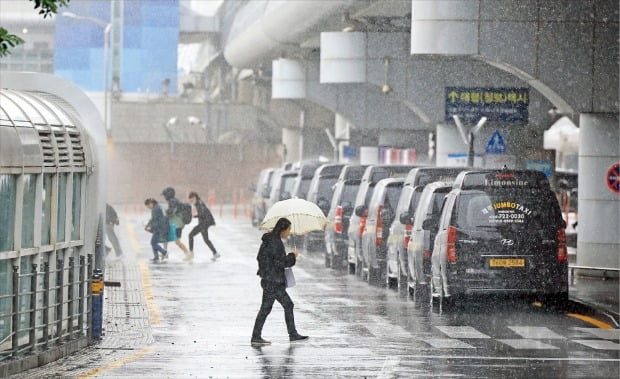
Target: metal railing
(48,307)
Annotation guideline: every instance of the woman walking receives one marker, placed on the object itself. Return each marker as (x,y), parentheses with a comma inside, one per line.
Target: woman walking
(272,259)
(158,225)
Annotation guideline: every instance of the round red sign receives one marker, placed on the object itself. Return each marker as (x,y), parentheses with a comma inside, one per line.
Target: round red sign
(612,178)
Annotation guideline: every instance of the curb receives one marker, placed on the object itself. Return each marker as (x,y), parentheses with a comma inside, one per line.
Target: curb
(595,311)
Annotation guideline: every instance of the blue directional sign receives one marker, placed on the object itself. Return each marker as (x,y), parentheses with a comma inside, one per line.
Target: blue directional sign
(496,144)
(502,105)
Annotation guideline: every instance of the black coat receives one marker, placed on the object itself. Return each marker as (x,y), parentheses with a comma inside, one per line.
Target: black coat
(204,214)
(272,259)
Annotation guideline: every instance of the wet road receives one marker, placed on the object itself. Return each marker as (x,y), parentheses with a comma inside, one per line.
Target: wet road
(202,314)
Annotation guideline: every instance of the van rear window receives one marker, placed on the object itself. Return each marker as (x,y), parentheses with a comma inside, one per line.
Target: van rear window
(498,208)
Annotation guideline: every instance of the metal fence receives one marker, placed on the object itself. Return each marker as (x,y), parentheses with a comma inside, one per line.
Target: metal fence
(47,304)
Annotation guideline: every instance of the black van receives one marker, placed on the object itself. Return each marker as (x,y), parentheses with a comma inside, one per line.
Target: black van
(357,222)
(500,231)
(336,237)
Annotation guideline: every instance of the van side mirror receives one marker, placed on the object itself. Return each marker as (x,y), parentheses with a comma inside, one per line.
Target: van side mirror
(360,210)
(405,219)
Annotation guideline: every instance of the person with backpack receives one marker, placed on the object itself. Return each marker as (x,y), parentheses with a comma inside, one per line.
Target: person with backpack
(205,220)
(158,225)
(272,260)
(177,213)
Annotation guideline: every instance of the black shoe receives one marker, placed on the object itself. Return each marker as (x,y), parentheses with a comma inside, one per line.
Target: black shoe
(297,337)
(259,342)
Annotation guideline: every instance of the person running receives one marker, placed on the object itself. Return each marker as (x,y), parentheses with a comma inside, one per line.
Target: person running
(111,219)
(175,217)
(158,225)
(272,259)
(205,220)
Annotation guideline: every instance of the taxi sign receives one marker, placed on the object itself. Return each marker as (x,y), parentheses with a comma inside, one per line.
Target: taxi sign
(612,178)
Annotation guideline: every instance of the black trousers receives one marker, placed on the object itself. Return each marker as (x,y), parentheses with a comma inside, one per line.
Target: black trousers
(271,292)
(204,230)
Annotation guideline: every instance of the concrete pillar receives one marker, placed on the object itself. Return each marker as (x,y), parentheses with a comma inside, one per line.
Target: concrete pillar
(598,241)
(291,138)
(449,142)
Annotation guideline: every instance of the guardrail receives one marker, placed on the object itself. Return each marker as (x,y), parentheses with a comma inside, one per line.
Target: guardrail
(605,270)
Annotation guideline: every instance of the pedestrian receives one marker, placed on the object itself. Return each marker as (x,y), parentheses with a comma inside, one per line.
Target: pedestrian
(272,259)
(111,219)
(174,213)
(205,220)
(158,225)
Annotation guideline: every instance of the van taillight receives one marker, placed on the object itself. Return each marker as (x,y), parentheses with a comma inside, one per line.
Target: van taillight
(338,220)
(363,222)
(562,251)
(408,229)
(379,229)
(451,251)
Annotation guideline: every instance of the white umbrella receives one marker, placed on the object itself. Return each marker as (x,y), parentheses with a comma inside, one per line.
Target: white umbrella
(304,216)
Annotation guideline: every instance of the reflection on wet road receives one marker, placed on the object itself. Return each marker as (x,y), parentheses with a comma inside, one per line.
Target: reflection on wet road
(207,310)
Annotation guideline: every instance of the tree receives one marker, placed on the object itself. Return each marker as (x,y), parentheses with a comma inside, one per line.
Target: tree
(45,8)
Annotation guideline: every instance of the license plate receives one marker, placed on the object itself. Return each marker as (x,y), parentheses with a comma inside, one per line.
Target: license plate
(507,262)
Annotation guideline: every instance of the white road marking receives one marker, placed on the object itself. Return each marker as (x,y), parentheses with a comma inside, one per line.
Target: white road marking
(536,332)
(448,343)
(410,357)
(527,344)
(323,287)
(389,366)
(607,334)
(599,344)
(461,332)
(381,327)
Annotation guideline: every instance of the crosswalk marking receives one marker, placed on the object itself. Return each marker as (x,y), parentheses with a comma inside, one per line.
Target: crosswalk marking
(599,344)
(535,332)
(461,332)
(448,343)
(607,334)
(526,344)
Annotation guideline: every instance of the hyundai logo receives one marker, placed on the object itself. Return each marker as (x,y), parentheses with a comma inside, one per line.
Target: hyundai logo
(507,242)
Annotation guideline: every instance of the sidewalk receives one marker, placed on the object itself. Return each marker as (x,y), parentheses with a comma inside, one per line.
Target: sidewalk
(601,295)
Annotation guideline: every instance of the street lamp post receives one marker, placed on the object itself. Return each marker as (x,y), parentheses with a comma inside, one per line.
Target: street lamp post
(107,28)
(468,137)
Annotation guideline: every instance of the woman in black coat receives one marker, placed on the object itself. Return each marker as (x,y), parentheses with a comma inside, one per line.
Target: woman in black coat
(272,259)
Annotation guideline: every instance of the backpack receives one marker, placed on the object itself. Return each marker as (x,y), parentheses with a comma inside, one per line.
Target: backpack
(186,213)
(260,258)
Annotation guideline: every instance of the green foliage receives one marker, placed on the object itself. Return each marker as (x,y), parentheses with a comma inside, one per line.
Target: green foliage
(49,7)
(45,8)
(8,41)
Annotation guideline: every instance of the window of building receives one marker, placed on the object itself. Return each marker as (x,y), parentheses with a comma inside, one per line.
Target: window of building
(46,209)
(7,211)
(76,206)
(62,208)
(28,208)
(6,301)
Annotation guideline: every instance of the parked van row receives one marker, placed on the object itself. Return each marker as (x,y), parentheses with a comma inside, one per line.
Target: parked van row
(448,230)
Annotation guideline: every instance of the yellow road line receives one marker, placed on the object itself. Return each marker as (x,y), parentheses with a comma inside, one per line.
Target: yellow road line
(147,285)
(148,294)
(121,362)
(590,320)
(132,238)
